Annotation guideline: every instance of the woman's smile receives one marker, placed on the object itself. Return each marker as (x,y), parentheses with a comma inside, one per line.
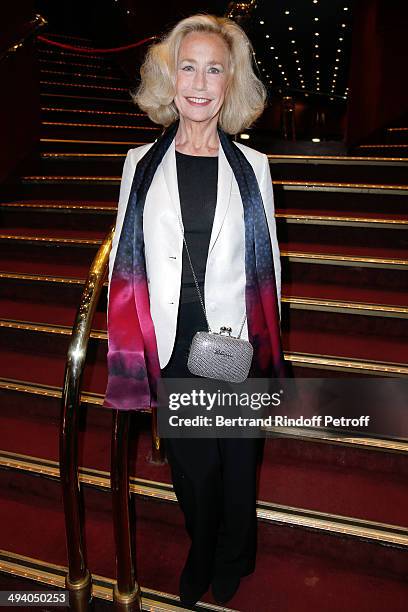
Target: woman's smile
(198,101)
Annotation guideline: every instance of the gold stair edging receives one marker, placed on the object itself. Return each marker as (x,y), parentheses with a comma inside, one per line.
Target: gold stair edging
(62,52)
(341,221)
(334,524)
(322,186)
(286,185)
(79,74)
(81,85)
(57,207)
(47,328)
(53,239)
(46,94)
(367,366)
(383,146)
(336,159)
(100,125)
(331,305)
(306,434)
(102,586)
(90,111)
(20,386)
(402,161)
(43,278)
(107,68)
(109,142)
(337,259)
(103,67)
(74,155)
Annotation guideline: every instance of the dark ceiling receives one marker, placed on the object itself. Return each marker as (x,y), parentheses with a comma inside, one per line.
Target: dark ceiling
(303,46)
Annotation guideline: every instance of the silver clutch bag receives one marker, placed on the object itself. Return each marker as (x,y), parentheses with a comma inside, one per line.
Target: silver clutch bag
(220,356)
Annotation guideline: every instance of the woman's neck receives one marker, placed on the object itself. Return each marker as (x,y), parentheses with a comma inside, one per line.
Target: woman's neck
(197,138)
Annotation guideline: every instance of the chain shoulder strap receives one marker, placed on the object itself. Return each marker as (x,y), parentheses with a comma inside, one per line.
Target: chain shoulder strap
(196,282)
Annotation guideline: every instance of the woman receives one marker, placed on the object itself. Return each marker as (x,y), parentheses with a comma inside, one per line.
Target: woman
(198,82)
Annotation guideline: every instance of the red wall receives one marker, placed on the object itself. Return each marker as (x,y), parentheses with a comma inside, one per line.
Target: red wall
(378,84)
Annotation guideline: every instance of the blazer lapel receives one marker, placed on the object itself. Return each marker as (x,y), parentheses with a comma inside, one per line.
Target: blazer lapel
(224,185)
(223,196)
(170,174)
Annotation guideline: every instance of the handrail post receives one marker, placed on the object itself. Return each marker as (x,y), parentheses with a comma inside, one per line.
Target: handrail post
(157,454)
(126,591)
(78,581)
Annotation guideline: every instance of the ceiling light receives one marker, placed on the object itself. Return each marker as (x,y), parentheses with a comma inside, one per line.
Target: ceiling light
(261,22)
(316,19)
(316,34)
(336,67)
(286,12)
(266,35)
(340,38)
(316,55)
(295,52)
(290,28)
(272,48)
(244,136)
(313,139)
(293,42)
(298,61)
(299,68)
(345,8)
(279,65)
(343,25)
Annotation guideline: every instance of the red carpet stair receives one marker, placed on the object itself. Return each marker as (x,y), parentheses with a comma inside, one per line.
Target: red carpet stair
(333,509)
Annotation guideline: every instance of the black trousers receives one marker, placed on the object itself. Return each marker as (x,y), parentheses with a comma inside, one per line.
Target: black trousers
(215,483)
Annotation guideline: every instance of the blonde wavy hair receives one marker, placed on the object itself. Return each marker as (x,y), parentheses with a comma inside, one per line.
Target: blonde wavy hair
(245,96)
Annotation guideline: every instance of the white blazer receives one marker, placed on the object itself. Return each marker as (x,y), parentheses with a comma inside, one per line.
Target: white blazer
(224,285)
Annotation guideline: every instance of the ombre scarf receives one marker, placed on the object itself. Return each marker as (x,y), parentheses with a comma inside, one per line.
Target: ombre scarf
(133,362)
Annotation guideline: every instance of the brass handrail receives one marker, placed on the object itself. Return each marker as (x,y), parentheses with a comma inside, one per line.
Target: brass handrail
(78,580)
(126,590)
(34,25)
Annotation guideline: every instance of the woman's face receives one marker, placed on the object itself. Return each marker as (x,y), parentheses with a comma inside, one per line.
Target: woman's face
(202,76)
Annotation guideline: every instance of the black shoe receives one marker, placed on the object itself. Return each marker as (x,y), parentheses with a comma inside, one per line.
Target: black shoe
(189,593)
(224,588)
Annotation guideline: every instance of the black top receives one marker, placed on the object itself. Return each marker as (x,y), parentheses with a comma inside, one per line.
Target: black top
(197,182)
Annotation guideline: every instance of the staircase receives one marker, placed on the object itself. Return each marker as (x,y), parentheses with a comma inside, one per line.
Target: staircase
(389,142)
(333,508)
